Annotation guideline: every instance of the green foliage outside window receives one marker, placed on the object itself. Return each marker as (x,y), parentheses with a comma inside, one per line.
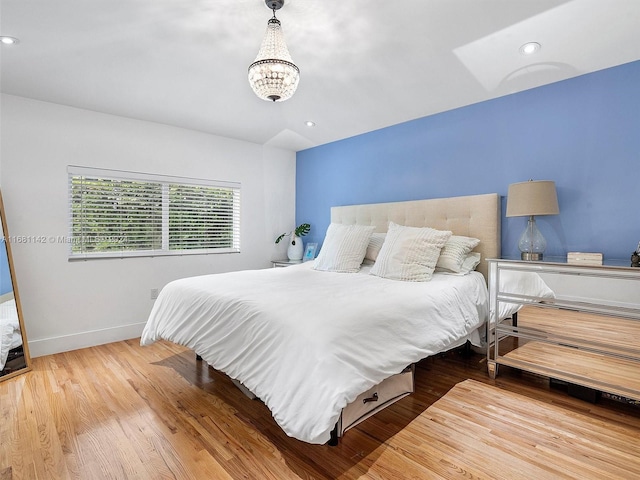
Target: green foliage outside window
(114,215)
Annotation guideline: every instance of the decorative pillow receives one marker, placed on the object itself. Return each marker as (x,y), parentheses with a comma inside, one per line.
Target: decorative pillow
(343,248)
(469,265)
(455,252)
(409,253)
(375,244)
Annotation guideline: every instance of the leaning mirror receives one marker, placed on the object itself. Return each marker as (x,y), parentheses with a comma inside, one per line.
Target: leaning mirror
(14,350)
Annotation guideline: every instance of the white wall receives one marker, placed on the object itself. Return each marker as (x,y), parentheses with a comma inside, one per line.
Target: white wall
(69,305)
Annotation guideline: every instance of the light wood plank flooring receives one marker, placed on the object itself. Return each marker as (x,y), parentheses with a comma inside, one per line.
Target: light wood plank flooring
(542,440)
(123,411)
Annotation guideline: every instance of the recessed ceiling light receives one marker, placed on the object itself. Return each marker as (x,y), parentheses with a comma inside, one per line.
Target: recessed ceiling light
(309,123)
(530,48)
(8,40)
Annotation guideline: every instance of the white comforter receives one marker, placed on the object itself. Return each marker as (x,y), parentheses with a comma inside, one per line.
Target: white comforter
(10,337)
(308,342)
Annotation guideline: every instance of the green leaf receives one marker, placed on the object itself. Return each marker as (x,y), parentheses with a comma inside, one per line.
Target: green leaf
(302,230)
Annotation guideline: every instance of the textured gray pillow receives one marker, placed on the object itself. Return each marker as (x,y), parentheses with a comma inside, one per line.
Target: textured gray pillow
(455,252)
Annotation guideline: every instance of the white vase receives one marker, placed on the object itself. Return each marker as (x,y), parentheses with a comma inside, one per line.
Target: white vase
(295,252)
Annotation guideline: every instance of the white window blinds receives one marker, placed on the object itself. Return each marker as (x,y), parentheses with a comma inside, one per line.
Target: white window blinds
(120,214)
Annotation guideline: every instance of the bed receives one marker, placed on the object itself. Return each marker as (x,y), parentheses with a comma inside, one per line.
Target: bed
(325,348)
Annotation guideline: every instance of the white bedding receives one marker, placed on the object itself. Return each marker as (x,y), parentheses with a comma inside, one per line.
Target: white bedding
(10,337)
(521,283)
(308,342)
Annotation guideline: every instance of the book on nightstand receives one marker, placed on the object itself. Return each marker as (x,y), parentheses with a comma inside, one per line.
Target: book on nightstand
(584,258)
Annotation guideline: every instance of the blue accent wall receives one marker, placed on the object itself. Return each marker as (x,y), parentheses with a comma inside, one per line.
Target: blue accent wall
(5,275)
(583,133)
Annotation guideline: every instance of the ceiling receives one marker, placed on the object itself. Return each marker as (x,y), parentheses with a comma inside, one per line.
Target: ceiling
(365,64)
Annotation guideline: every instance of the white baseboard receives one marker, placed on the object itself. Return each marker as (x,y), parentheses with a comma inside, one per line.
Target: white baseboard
(65,343)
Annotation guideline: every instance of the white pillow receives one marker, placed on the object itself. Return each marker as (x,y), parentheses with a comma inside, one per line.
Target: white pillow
(469,265)
(409,253)
(343,248)
(375,244)
(455,251)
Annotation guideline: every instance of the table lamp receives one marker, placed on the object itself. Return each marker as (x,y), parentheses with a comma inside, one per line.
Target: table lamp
(527,199)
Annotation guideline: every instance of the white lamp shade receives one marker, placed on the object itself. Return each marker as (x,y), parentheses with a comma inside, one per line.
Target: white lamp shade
(532,198)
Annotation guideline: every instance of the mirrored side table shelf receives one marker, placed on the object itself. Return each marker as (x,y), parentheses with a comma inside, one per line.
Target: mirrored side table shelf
(586,333)
(284,263)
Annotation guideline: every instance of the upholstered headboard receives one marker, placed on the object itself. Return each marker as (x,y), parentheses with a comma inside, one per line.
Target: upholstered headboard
(475,216)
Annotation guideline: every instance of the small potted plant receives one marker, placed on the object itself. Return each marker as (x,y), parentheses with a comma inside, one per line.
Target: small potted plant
(295,250)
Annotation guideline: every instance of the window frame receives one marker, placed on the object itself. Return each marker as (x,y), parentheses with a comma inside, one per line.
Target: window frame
(74,171)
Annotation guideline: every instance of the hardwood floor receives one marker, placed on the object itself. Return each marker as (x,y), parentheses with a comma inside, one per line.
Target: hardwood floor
(123,411)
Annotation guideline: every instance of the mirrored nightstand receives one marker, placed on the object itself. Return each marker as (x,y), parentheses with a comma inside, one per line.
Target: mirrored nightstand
(586,334)
(285,263)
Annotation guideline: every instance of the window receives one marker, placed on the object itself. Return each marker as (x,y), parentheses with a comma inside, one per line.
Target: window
(124,214)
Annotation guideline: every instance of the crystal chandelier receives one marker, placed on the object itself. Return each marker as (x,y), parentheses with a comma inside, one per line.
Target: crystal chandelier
(273,75)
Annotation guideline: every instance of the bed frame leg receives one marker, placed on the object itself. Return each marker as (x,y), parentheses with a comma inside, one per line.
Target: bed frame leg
(333,441)
(467,349)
